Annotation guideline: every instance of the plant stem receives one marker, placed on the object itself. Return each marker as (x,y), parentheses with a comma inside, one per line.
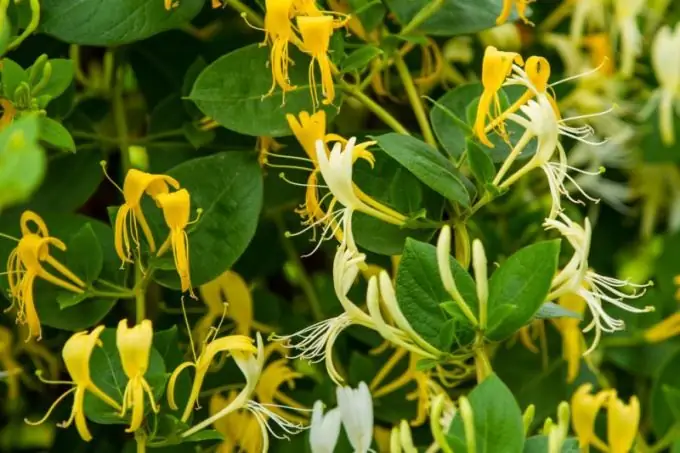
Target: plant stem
(121,121)
(113,294)
(667,440)
(305,282)
(414,99)
(482,362)
(376,109)
(30,28)
(421,17)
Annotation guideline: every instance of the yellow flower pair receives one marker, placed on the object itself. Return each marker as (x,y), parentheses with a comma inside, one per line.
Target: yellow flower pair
(176,208)
(622,419)
(316,30)
(26,263)
(134,347)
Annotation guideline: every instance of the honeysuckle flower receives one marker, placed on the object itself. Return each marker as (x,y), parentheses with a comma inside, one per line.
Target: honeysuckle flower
(577,278)
(176,209)
(664,329)
(665,54)
(432,66)
(306,8)
(520,6)
(25,264)
(587,15)
(401,439)
(10,366)
(572,338)
(279,32)
(622,423)
(241,430)
(584,410)
(496,67)
(238,345)
(324,429)
(269,393)
(76,354)
(316,32)
(630,38)
(134,347)
(130,215)
(356,413)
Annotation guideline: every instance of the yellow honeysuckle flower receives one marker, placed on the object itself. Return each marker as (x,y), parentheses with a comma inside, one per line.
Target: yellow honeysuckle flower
(24,265)
(584,409)
(496,66)
(316,36)
(354,23)
(572,339)
(11,368)
(279,31)
(240,429)
(76,353)
(233,344)
(306,8)
(8,113)
(268,391)
(130,215)
(176,209)
(601,52)
(432,67)
(664,329)
(520,6)
(622,423)
(134,347)
(527,334)
(266,146)
(307,130)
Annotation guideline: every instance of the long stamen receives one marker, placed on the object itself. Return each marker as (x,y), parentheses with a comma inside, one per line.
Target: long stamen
(583,74)
(106,174)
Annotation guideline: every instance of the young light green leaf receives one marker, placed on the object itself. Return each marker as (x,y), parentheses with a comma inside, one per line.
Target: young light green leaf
(551,310)
(428,165)
(12,75)
(104,23)
(360,58)
(59,80)
(497,420)
(521,283)
(233,91)
(420,293)
(56,135)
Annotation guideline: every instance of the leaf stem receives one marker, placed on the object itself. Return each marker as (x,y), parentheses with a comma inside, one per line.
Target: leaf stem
(304,281)
(374,107)
(421,16)
(414,99)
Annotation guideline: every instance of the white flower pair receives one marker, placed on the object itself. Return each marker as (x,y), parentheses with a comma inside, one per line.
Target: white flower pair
(354,412)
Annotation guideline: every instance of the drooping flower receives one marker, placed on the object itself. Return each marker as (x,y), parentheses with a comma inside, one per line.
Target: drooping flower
(622,423)
(176,209)
(324,429)
(76,353)
(584,410)
(577,278)
(130,215)
(665,54)
(25,264)
(269,393)
(279,32)
(316,32)
(134,347)
(520,6)
(572,338)
(241,430)
(237,345)
(356,412)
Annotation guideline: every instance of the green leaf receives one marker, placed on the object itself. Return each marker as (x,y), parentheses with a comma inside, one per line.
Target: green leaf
(228,187)
(56,135)
(62,226)
(448,117)
(360,58)
(165,342)
(22,161)
(551,310)
(663,415)
(12,76)
(420,293)
(206,434)
(521,283)
(454,17)
(60,78)
(393,185)
(539,444)
(481,164)
(105,23)
(233,91)
(497,420)
(428,165)
(106,371)
(84,256)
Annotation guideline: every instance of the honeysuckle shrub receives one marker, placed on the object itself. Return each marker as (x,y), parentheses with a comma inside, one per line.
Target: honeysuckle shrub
(342,225)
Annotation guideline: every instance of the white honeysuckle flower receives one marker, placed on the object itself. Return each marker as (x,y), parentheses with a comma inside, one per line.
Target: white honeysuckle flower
(324,429)
(576,277)
(625,14)
(356,412)
(401,439)
(665,55)
(479,264)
